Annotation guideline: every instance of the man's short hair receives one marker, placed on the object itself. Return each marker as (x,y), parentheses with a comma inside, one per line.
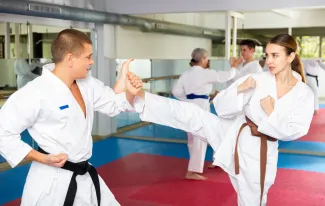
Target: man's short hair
(68,41)
(249,43)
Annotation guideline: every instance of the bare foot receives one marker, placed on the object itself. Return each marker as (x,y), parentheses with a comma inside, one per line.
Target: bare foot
(315,112)
(212,166)
(194,176)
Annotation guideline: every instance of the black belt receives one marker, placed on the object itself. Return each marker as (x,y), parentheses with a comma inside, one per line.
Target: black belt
(316,77)
(80,168)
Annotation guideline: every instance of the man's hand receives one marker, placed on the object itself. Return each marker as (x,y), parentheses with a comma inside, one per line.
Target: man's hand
(56,160)
(234,62)
(50,159)
(238,62)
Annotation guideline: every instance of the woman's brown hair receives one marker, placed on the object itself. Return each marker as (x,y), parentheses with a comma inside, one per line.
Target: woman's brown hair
(290,45)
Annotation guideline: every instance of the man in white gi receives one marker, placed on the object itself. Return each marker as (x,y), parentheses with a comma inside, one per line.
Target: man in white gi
(57,109)
(246,63)
(312,69)
(195,86)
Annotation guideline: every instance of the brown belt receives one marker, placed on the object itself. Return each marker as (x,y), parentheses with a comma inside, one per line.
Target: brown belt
(263,151)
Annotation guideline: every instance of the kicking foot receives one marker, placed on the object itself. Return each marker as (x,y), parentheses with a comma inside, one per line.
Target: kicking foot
(194,176)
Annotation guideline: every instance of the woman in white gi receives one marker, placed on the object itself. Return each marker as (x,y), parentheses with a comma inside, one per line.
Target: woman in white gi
(253,113)
(195,86)
(312,68)
(57,109)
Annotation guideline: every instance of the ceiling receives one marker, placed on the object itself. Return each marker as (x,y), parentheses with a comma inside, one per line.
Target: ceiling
(172,6)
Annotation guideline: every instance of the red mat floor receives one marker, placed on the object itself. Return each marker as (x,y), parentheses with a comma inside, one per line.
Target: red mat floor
(317,129)
(151,180)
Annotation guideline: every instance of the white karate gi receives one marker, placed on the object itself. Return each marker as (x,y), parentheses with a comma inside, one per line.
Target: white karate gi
(56,130)
(199,81)
(290,120)
(313,67)
(249,68)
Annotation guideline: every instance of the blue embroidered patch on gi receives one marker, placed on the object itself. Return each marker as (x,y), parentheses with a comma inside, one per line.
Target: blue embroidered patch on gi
(64,107)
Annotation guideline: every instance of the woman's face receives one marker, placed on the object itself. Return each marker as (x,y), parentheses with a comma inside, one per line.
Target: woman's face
(277,59)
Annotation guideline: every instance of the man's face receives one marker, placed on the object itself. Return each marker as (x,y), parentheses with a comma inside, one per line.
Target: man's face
(246,52)
(81,64)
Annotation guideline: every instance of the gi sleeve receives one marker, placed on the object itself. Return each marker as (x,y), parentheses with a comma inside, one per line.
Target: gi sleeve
(228,103)
(107,102)
(178,90)
(18,113)
(213,76)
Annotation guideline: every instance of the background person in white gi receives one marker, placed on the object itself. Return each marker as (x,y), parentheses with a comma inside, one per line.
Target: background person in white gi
(195,86)
(312,69)
(253,113)
(246,63)
(58,111)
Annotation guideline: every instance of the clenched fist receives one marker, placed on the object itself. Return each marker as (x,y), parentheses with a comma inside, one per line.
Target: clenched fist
(268,105)
(234,62)
(249,83)
(56,160)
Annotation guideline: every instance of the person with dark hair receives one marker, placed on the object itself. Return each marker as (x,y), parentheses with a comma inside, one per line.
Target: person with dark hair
(253,114)
(57,111)
(195,86)
(246,63)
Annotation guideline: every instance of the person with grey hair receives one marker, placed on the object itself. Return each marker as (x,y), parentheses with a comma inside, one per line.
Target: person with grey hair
(194,86)
(197,55)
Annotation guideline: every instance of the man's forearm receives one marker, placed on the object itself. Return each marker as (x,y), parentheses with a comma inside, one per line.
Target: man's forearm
(34,155)
(119,86)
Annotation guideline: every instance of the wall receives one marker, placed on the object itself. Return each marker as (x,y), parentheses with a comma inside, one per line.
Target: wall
(256,19)
(136,44)
(7,72)
(294,18)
